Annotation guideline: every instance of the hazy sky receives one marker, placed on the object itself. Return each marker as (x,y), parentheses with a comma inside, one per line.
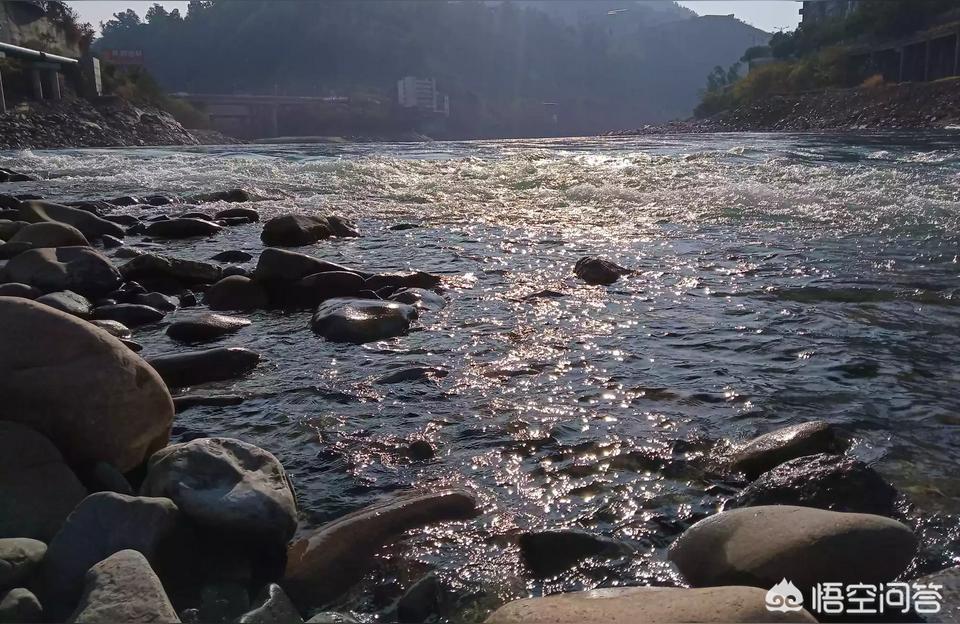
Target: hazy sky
(767,14)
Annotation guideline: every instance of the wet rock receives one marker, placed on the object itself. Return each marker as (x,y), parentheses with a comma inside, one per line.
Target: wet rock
(137,229)
(831,482)
(248,215)
(182,228)
(103,477)
(274,608)
(400,280)
(122,220)
(102,525)
(295,230)
(8,202)
(949,581)
(196,214)
(123,588)
(650,605)
(234,255)
(280,265)
(50,235)
(197,367)
(327,562)
(156,267)
(548,553)
(80,269)
(129,314)
(759,546)
(420,298)
(772,449)
(90,225)
(183,403)
(68,302)
(319,287)
(330,617)
(128,252)
(420,601)
(22,291)
(69,380)
(114,328)
(413,373)
(136,347)
(420,450)
(362,320)
(110,242)
(236,293)
(223,602)
(599,271)
(125,201)
(188,299)
(399,227)
(342,227)
(97,207)
(206,327)
(231,271)
(158,301)
(19,557)
(160,200)
(226,485)
(12,250)
(235,196)
(20,606)
(9,229)
(8,175)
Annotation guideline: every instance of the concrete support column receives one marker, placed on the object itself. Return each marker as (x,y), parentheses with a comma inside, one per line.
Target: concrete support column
(37,84)
(3,101)
(273,121)
(53,84)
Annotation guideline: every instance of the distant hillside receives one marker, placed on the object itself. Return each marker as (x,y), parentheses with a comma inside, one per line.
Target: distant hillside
(519,68)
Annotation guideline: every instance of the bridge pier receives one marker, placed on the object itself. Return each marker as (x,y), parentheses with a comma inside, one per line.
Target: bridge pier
(37,83)
(273,123)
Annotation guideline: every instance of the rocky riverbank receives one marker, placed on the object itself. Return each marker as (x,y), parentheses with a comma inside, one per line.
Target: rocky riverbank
(108,122)
(106,519)
(910,106)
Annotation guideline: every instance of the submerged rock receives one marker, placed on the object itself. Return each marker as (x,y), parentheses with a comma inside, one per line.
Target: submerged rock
(80,269)
(759,546)
(327,562)
(772,449)
(228,486)
(548,553)
(823,481)
(362,320)
(182,403)
(50,234)
(650,605)
(599,271)
(236,293)
(197,367)
(182,228)
(206,327)
(233,256)
(92,396)
(123,588)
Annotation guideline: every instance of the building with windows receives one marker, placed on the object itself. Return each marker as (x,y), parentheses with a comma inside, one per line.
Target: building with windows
(815,11)
(421,94)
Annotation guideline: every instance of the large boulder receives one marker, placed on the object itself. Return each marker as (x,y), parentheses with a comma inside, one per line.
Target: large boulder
(93,397)
(37,488)
(80,269)
(182,228)
(280,265)
(196,367)
(832,482)
(327,562)
(19,557)
(152,266)
(228,486)
(650,605)
(295,230)
(772,449)
(760,546)
(205,327)
(92,226)
(236,293)
(50,235)
(599,271)
(123,588)
(102,525)
(362,320)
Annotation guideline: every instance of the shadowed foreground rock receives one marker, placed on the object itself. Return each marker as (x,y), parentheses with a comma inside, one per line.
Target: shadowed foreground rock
(20,606)
(93,397)
(772,449)
(759,546)
(323,565)
(649,605)
(124,588)
(80,269)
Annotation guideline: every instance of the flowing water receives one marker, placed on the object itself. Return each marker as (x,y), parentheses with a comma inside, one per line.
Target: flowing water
(781,278)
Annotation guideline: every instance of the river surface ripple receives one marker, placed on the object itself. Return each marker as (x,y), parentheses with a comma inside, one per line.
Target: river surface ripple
(782,278)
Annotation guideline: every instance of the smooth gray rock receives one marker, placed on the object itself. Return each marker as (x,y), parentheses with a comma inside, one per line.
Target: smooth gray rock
(158,301)
(69,302)
(362,320)
(197,367)
(205,328)
(236,293)
(274,608)
(760,546)
(102,525)
(772,449)
(19,558)
(182,228)
(80,269)
(38,490)
(50,235)
(20,606)
(92,226)
(226,485)
(123,588)
(129,314)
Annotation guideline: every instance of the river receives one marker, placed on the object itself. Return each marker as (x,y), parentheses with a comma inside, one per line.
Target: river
(781,278)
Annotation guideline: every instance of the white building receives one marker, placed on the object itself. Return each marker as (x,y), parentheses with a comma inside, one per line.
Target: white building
(422,94)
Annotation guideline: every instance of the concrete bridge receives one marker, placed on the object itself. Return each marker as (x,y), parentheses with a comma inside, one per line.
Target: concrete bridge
(255,116)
